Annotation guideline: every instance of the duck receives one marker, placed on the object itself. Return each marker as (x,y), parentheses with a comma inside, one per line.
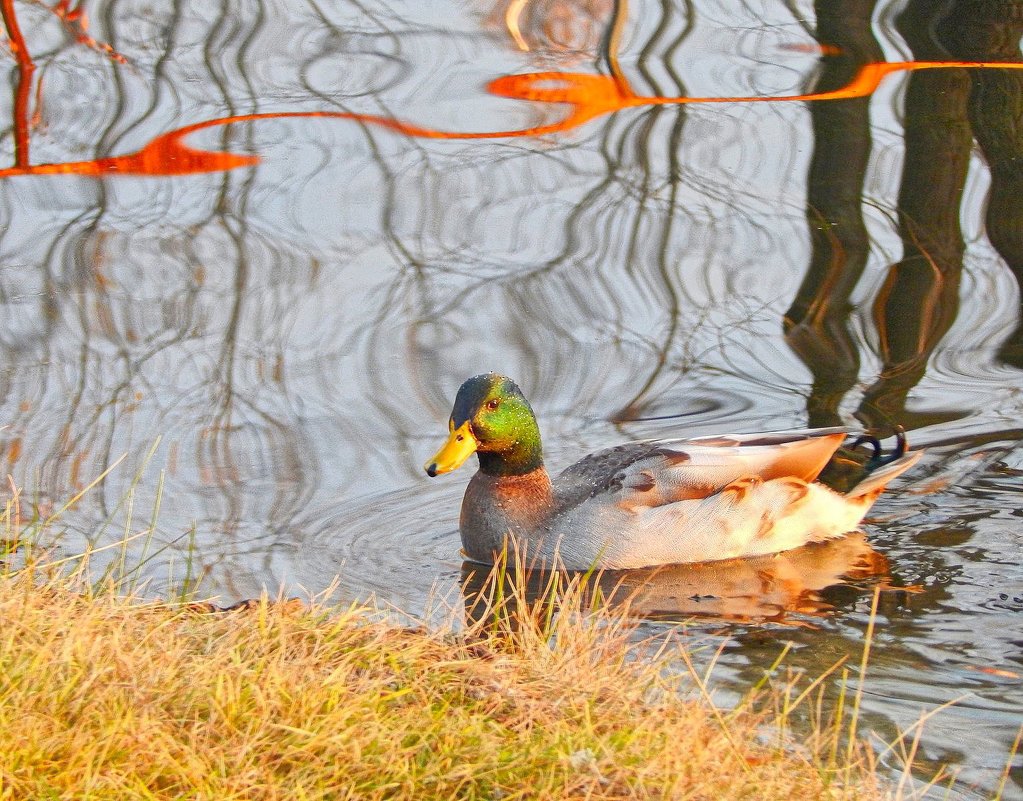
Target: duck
(653,502)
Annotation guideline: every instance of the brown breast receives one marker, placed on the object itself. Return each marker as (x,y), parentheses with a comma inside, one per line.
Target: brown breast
(494,506)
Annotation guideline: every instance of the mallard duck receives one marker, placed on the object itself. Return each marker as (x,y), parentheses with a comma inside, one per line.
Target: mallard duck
(649,503)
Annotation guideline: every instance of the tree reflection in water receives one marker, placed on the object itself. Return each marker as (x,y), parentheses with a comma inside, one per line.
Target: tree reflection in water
(944,111)
(294,326)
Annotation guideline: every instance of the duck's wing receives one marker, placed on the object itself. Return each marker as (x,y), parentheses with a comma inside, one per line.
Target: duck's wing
(664,471)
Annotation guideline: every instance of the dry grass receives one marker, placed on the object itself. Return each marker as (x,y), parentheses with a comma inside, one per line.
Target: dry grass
(103,696)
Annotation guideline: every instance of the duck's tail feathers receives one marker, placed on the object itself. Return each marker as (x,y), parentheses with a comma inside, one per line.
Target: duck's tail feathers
(878,479)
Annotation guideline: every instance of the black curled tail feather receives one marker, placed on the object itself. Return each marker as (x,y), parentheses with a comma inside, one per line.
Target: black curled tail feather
(881,468)
(852,472)
(880,459)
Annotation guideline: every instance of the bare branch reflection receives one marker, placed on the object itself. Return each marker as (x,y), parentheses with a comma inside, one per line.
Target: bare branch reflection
(682,177)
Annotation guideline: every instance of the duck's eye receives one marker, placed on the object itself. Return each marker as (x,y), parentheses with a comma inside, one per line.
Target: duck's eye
(493,404)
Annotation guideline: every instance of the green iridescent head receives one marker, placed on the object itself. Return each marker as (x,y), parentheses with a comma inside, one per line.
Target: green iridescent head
(491,418)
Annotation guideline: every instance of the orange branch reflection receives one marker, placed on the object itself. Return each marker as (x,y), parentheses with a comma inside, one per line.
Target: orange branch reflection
(589,96)
(23,88)
(76,21)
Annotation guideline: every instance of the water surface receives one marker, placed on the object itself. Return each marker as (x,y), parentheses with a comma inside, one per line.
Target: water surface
(270,315)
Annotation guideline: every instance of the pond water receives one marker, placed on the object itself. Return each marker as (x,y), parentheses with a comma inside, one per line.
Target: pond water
(269,314)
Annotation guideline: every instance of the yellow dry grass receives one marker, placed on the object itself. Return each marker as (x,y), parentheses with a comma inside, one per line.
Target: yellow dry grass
(108,697)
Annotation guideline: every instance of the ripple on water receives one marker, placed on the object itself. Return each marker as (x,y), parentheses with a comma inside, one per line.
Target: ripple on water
(400,546)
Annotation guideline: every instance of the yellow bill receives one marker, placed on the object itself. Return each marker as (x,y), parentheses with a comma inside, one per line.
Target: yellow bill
(460,446)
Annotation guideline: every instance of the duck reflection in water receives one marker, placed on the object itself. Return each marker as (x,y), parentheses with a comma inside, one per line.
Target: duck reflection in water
(789,588)
(945,110)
